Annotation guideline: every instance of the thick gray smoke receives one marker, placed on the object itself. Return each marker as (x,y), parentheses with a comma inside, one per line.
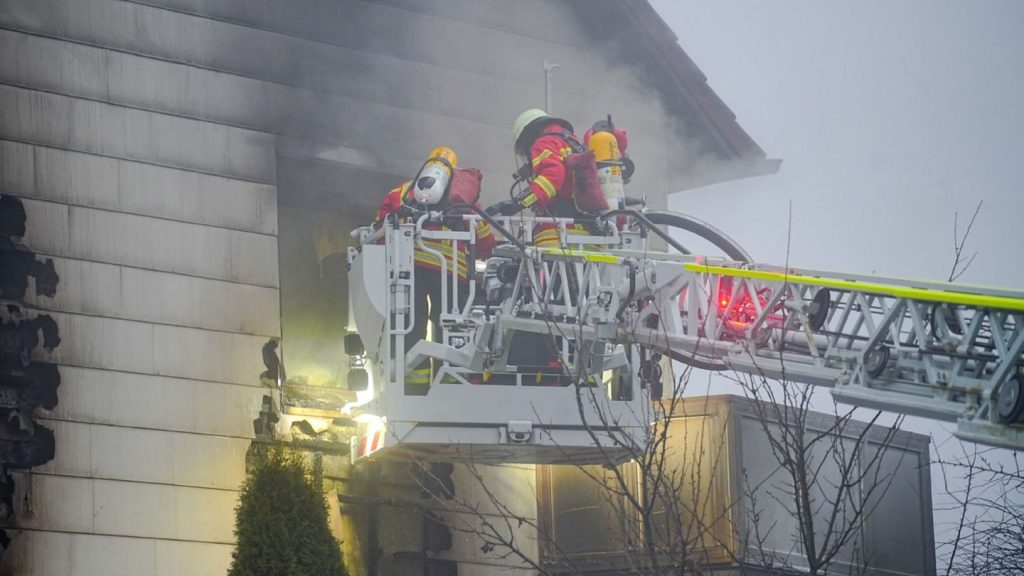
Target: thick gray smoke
(363,114)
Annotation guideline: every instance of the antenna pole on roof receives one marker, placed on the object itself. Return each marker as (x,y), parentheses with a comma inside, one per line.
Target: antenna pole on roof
(548,67)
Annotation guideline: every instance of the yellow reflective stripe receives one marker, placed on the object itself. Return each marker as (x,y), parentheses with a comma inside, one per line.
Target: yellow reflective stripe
(598,257)
(437,244)
(540,157)
(945,296)
(529,200)
(406,191)
(424,259)
(547,238)
(445,248)
(565,152)
(419,376)
(546,185)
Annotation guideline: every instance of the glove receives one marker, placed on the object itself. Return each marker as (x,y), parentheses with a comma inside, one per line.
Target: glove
(506,208)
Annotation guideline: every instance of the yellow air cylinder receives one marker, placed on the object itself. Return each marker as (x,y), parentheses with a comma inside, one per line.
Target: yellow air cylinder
(609,167)
(432,181)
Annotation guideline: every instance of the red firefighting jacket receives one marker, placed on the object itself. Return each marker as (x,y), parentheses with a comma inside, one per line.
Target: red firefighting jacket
(484,237)
(551,179)
(551,189)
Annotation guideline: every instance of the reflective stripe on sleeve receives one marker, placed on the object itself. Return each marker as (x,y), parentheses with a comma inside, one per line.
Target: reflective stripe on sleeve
(540,157)
(545,185)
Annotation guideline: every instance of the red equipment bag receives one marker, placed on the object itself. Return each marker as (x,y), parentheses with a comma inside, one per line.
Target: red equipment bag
(585,183)
(465,189)
(465,186)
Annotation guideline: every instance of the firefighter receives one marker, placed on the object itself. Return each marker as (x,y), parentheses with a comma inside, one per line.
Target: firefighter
(556,189)
(438,185)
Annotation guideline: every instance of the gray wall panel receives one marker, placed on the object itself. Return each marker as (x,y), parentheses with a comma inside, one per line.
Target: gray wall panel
(124,186)
(314,116)
(174,558)
(116,508)
(95,342)
(88,126)
(203,355)
(537,19)
(139,455)
(151,243)
(157,402)
(61,554)
(102,74)
(148,296)
(367,27)
(139,81)
(35,553)
(326,19)
(378,112)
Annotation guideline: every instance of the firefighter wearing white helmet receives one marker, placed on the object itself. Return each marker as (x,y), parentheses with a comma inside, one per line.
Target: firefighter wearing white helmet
(549,146)
(438,184)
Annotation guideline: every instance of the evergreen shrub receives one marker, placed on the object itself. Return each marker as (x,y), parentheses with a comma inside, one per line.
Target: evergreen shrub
(281,523)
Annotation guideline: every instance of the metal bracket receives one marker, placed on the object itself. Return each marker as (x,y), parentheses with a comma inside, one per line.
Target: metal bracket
(517,432)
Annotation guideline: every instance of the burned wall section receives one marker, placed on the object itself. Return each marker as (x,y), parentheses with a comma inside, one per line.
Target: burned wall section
(27,382)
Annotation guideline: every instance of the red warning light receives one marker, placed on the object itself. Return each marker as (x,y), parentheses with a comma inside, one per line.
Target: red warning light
(724,291)
(739,309)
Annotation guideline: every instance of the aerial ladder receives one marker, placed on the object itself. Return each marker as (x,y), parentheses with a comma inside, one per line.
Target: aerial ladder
(554,357)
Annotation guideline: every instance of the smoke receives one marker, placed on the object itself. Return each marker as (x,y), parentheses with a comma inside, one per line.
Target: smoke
(360,115)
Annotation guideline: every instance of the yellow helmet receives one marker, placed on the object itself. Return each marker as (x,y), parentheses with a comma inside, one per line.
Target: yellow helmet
(525,124)
(446,153)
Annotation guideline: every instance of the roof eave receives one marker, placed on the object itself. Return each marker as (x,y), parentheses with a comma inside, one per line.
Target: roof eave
(719,118)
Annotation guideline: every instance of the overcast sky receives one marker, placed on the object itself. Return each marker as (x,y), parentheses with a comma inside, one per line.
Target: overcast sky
(889,118)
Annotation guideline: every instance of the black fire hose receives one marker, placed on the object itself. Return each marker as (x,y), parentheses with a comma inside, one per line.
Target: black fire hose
(720,240)
(647,224)
(693,225)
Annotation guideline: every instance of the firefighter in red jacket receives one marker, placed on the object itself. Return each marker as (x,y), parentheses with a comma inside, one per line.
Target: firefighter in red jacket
(438,185)
(547,141)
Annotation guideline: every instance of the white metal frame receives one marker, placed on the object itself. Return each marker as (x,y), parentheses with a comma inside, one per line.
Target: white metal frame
(934,350)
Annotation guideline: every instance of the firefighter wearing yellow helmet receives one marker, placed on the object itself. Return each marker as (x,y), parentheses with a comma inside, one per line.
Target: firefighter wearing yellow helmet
(438,185)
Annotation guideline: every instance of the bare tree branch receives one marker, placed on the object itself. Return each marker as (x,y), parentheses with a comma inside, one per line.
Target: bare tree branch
(960,262)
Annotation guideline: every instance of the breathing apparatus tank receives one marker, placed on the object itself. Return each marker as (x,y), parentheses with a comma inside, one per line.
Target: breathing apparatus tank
(609,167)
(430,186)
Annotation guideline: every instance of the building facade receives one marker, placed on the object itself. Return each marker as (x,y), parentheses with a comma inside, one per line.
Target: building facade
(193,167)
